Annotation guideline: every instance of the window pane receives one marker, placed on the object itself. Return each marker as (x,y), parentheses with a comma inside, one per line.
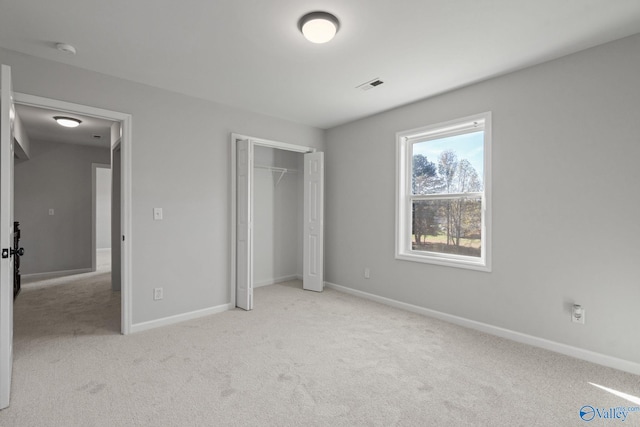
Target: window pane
(453,164)
(449,226)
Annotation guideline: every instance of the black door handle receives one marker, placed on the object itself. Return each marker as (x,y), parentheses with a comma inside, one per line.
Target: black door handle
(19,252)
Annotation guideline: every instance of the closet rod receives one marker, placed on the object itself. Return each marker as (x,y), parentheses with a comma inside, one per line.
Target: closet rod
(276,169)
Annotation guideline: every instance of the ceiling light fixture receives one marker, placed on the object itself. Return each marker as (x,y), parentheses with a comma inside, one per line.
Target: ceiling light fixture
(319,27)
(68,122)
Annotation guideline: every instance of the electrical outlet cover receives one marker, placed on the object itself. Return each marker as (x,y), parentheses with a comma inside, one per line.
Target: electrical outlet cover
(578,315)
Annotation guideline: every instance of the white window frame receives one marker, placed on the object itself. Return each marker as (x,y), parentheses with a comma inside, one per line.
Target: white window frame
(405,198)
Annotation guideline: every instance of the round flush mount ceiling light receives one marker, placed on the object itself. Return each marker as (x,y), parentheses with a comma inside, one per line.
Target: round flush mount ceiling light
(66,48)
(68,122)
(319,27)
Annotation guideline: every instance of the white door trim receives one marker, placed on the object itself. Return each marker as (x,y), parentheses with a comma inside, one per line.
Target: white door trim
(234,199)
(126,126)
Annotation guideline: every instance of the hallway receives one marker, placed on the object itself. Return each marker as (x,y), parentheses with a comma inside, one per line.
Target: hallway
(81,304)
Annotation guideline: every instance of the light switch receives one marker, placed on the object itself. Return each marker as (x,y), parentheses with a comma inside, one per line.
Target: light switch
(51,211)
(157,214)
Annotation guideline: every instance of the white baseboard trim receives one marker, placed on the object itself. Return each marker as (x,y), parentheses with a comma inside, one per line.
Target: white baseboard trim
(276,280)
(53,274)
(152,324)
(578,353)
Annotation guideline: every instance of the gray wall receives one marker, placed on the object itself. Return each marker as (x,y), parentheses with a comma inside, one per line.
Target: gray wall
(276,211)
(103,208)
(22,148)
(180,160)
(566,147)
(58,177)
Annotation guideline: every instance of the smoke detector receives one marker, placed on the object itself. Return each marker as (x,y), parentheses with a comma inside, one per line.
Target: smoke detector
(66,48)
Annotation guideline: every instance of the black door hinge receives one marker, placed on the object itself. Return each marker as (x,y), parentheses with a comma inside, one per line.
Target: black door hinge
(5,253)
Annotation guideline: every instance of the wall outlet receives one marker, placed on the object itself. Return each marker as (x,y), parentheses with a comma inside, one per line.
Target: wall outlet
(577,314)
(52,212)
(157,294)
(157,214)
(367,273)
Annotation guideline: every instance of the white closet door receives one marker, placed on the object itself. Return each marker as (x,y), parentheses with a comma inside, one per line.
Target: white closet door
(244,232)
(6,234)
(313,252)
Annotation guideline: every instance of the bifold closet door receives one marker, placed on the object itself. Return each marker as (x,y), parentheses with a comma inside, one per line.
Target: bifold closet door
(313,251)
(244,232)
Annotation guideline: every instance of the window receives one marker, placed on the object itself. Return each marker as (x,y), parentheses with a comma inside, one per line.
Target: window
(443,195)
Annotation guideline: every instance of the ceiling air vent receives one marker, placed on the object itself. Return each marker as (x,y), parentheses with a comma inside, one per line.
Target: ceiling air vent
(370,84)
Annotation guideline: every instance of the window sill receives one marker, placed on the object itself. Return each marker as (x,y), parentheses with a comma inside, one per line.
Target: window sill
(469,264)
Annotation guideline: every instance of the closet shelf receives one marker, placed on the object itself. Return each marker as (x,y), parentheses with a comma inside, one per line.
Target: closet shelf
(282,171)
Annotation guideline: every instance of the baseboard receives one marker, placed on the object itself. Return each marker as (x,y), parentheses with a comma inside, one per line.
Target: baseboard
(54,274)
(152,324)
(276,280)
(578,353)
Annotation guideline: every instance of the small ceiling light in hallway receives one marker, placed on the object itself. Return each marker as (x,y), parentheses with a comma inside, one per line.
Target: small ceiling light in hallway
(68,122)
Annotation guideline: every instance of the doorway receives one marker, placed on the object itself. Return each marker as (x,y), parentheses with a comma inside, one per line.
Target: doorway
(121,143)
(243,153)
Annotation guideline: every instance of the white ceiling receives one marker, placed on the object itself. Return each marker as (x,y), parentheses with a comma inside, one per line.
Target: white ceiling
(40,125)
(250,54)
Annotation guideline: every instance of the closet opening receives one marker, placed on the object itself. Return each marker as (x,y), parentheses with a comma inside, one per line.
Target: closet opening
(277,216)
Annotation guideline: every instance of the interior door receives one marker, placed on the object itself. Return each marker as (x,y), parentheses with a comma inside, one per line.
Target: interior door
(7,113)
(244,228)
(116,220)
(313,251)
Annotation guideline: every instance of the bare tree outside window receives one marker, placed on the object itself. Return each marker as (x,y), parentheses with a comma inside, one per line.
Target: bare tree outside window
(452,224)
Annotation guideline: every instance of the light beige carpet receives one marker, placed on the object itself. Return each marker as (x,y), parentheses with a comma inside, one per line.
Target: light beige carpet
(299,359)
